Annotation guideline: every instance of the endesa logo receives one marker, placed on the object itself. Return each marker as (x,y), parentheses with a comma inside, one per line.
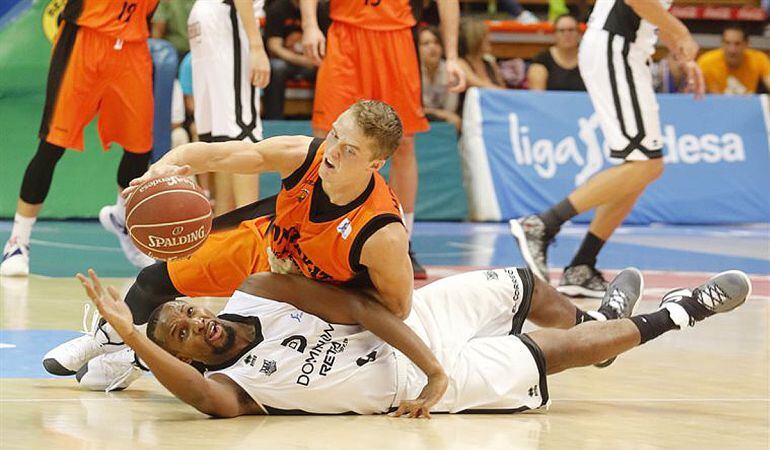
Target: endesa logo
(589,151)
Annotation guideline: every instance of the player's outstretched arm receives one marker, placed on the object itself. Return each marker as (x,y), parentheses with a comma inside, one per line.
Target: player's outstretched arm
(282,154)
(355,307)
(218,396)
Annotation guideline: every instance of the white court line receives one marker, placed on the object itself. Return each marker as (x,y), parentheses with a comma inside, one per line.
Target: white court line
(97,248)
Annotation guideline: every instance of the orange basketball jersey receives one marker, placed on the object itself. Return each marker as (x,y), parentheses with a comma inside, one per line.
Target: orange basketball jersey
(120,19)
(385,15)
(323,239)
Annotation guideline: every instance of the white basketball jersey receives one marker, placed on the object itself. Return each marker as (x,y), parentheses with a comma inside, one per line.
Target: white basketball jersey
(615,16)
(304,360)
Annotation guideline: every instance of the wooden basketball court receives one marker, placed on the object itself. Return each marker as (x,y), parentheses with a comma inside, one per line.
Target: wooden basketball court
(706,387)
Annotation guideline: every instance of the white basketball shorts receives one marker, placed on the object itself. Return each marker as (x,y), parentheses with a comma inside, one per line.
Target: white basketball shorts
(472,322)
(226,103)
(619,81)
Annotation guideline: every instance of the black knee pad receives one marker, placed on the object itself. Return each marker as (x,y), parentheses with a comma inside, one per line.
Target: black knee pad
(132,165)
(39,173)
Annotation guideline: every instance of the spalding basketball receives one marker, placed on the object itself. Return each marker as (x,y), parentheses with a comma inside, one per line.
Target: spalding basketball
(168,217)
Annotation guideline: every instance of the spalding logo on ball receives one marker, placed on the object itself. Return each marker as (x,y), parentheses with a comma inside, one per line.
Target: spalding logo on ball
(168,217)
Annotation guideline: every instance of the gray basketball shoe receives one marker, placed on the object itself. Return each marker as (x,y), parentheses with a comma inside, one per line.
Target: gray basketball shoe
(529,233)
(582,281)
(721,293)
(620,299)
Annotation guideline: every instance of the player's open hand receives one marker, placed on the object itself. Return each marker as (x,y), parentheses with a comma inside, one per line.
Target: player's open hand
(456,75)
(260,68)
(314,44)
(156,170)
(695,81)
(111,307)
(430,395)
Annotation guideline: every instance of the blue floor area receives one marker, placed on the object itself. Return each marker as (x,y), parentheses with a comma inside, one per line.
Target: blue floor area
(62,248)
(21,351)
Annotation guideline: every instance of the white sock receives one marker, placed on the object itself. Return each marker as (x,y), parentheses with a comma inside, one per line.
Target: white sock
(678,314)
(120,210)
(22,228)
(409,223)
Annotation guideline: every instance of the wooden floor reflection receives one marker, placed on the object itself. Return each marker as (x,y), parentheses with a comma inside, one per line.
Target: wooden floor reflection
(708,387)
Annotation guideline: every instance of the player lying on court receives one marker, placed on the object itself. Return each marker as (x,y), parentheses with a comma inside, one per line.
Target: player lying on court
(268,357)
(334,220)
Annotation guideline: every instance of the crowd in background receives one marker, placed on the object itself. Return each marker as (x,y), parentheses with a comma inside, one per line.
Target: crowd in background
(732,69)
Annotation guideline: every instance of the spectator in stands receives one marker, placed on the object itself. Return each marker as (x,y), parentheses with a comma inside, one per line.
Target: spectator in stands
(170,23)
(667,76)
(735,68)
(283,33)
(438,102)
(556,68)
(479,65)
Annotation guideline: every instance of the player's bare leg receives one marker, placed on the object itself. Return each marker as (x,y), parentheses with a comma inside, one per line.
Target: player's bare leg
(594,342)
(614,187)
(245,189)
(615,183)
(403,175)
(609,216)
(403,181)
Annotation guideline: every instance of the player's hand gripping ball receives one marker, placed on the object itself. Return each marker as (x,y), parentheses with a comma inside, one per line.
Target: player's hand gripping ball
(168,217)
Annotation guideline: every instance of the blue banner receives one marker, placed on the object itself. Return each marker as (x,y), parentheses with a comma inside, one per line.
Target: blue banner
(525,151)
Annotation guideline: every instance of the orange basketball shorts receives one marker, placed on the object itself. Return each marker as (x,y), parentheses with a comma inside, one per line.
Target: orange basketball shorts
(92,73)
(223,262)
(369,64)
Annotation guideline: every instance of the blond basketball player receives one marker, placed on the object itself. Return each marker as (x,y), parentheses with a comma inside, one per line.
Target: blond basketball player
(262,356)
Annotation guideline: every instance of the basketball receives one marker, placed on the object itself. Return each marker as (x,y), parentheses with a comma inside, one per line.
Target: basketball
(168,217)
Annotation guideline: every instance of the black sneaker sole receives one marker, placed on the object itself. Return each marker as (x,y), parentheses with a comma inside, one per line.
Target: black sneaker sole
(53,367)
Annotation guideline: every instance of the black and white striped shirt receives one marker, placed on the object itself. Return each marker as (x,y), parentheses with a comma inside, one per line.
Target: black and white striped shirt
(616,17)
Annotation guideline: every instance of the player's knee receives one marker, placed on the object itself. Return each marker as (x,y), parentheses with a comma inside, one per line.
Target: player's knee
(154,280)
(650,170)
(39,173)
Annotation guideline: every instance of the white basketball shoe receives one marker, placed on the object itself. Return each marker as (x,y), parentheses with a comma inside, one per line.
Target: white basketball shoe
(110,221)
(15,262)
(65,359)
(110,372)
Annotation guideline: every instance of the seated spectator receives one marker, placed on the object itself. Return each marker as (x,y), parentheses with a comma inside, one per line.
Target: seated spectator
(438,102)
(556,68)
(735,68)
(479,65)
(668,76)
(283,33)
(170,23)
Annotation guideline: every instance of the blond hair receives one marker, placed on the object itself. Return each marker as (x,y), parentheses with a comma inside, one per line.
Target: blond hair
(379,122)
(472,34)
